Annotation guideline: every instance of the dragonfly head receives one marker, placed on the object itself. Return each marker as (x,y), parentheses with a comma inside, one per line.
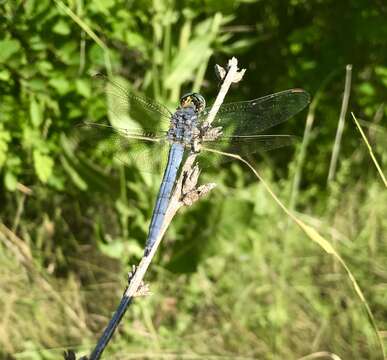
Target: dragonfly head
(194,100)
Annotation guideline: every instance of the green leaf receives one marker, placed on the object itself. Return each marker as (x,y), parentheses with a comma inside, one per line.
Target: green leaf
(36,112)
(61,27)
(187,61)
(31,137)
(43,165)
(7,49)
(295,48)
(367,88)
(37,84)
(102,6)
(382,73)
(5,75)
(83,87)
(44,67)
(60,84)
(135,41)
(37,43)
(5,137)
(114,249)
(241,45)
(75,177)
(10,181)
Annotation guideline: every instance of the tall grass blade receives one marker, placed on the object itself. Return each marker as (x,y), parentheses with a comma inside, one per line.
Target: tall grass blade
(340,127)
(306,139)
(370,150)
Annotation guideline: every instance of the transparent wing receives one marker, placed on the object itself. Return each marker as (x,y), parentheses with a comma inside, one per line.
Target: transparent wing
(254,116)
(128,110)
(241,145)
(146,151)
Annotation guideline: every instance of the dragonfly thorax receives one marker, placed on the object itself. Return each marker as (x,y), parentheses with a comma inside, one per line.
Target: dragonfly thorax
(183,128)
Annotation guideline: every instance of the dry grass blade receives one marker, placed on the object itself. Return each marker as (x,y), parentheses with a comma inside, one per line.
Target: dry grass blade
(313,234)
(370,150)
(320,355)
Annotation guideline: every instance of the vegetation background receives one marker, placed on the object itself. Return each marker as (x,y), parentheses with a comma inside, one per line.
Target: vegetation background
(234,278)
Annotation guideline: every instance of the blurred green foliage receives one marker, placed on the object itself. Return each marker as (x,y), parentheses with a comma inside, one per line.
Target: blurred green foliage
(233,277)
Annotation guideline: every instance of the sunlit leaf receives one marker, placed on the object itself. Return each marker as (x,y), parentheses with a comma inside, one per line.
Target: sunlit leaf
(83,87)
(36,112)
(10,181)
(5,137)
(61,27)
(43,165)
(7,49)
(61,84)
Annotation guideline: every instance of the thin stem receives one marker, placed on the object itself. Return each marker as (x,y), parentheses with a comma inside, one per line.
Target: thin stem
(370,151)
(19,211)
(340,127)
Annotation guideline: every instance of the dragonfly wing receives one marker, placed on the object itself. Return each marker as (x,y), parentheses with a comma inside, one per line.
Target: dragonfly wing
(148,152)
(242,146)
(126,109)
(254,116)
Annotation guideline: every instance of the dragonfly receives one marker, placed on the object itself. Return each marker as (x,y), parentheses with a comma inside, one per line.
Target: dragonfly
(149,132)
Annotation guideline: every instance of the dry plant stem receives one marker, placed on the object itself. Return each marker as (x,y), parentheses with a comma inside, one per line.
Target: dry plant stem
(302,154)
(370,151)
(189,174)
(340,127)
(233,75)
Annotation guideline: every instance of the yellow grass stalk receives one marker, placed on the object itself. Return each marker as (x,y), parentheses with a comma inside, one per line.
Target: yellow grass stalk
(370,150)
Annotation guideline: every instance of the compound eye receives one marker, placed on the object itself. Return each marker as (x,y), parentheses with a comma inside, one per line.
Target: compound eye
(200,102)
(193,99)
(186,100)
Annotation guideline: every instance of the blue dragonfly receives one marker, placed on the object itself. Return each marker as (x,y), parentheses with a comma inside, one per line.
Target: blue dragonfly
(161,139)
